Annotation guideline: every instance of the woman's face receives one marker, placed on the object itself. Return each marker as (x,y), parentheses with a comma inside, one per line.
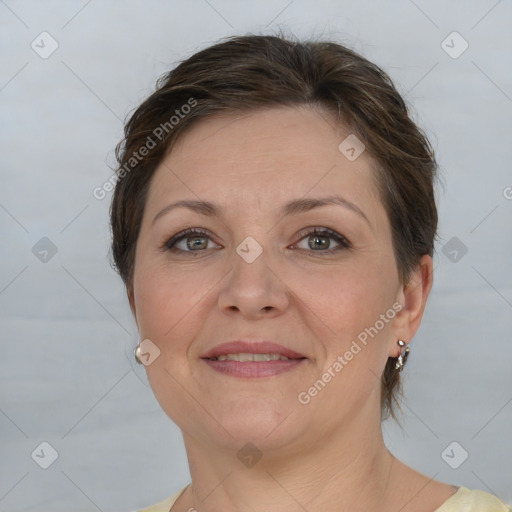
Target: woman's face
(312,294)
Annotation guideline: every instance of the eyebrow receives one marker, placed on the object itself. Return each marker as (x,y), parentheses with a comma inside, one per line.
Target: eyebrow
(294,207)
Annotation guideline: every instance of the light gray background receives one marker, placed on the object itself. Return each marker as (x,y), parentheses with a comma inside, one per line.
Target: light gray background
(67,375)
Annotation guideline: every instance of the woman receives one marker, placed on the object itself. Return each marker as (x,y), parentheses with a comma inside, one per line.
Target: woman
(274,222)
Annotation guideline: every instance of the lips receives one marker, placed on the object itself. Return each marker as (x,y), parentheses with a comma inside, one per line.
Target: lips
(246,347)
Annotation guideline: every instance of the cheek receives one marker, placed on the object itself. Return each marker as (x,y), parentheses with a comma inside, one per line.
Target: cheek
(344,306)
(346,298)
(346,317)
(166,298)
(167,302)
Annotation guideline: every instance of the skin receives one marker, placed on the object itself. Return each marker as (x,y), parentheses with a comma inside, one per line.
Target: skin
(329,454)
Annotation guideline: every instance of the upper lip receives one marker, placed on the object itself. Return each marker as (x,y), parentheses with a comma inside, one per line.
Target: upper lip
(247,347)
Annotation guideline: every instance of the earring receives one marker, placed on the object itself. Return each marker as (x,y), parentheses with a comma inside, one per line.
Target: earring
(136,354)
(402,356)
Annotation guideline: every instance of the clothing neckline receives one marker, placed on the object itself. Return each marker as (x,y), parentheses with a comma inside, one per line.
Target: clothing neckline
(456,495)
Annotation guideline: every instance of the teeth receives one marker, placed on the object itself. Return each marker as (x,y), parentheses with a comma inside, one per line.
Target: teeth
(245,357)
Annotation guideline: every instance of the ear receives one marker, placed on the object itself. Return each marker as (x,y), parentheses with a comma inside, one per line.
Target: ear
(413,296)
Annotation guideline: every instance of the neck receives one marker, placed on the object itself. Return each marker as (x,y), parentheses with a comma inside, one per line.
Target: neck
(345,469)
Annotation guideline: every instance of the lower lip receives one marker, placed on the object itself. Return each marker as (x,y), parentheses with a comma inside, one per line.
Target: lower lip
(251,369)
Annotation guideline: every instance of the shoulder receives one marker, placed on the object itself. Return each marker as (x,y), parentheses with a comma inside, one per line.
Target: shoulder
(465,500)
(165,505)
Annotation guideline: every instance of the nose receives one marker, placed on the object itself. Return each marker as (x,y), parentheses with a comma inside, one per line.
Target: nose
(253,289)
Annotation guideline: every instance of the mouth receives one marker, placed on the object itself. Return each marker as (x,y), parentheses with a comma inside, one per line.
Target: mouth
(250,360)
(245,357)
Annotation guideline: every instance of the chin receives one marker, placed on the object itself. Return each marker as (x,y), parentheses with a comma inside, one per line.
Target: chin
(260,421)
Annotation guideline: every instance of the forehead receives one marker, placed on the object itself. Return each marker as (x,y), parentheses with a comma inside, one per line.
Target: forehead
(266,140)
(272,155)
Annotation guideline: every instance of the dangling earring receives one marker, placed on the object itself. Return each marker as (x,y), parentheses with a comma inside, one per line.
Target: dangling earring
(402,356)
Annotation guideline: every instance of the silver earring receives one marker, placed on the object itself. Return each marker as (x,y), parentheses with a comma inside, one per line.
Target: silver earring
(402,356)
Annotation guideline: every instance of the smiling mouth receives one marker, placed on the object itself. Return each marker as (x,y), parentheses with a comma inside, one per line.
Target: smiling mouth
(247,365)
(245,357)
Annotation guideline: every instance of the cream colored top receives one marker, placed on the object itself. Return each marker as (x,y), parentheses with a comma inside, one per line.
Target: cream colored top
(463,500)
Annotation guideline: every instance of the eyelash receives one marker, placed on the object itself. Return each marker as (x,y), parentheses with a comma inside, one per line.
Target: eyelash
(323,232)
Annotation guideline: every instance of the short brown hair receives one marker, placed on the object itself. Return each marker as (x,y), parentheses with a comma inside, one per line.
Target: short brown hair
(247,73)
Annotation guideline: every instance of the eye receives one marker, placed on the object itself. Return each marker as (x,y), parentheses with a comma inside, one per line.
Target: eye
(319,240)
(191,240)
(195,240)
